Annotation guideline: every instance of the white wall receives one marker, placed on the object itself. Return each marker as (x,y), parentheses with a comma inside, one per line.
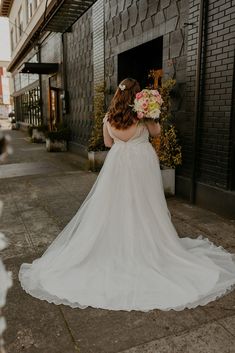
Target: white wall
(4,39)
(28,26)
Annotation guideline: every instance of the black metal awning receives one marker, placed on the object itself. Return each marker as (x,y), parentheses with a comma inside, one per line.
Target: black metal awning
(39,68)
(65,14)
(5,7)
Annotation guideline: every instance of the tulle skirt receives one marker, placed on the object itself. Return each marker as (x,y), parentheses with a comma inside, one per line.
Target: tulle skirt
(121,251)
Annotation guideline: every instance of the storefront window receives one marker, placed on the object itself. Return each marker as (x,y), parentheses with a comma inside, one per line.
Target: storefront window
(30,106)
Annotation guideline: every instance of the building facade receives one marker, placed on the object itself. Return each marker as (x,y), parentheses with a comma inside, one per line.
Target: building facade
(5,99)
(191,41)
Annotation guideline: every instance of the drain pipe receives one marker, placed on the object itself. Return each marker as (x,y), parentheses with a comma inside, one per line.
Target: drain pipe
(198,95)
(40,84)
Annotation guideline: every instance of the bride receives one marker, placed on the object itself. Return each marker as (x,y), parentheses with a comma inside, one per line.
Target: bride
(121,251)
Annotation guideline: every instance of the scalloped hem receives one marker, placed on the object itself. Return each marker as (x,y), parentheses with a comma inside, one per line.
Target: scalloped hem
(57,301)
(201,301)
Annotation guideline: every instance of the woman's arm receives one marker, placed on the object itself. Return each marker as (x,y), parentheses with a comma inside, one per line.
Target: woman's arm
(153,127)
(108,141)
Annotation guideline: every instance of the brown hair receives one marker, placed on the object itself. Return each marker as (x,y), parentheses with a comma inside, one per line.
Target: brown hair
(120,113)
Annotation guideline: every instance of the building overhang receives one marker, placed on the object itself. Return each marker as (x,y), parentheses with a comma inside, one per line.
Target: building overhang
(5,7)
(39,68)
(61,15)
(66,14)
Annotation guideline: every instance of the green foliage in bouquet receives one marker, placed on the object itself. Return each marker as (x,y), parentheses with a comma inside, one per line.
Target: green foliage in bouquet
(167,144)
(96,142)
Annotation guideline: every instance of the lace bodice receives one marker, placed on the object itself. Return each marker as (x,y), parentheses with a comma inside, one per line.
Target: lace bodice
(140,135)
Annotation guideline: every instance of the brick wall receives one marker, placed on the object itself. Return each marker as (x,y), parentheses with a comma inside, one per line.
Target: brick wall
(131,23)
(79,70)
(214,153)
(98,41)
(214,137)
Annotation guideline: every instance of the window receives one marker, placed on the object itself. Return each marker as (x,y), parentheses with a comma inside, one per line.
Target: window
(36,3)
(29,9)
(12,39)
(20,21)
(16,31)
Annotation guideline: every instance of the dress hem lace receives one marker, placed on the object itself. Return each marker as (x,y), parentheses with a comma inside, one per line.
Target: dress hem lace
(201,301)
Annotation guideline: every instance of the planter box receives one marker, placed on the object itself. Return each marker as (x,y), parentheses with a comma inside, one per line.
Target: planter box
(96,159)
(168,179)
(38,136)
(56,145)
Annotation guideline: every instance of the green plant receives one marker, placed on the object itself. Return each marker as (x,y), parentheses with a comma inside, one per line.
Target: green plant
(30,130)
(168,148)
(62,132)
(96,142)
(43,128)
(167,145)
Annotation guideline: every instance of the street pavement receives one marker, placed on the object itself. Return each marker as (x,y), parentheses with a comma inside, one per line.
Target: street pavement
(41,192)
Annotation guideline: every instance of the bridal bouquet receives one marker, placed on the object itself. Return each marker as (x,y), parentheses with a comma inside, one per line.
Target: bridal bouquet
(147,104)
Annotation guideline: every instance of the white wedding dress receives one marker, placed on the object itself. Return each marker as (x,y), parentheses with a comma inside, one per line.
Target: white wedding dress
(121,251)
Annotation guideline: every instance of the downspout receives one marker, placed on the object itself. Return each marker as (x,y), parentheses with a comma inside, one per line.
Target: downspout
(65,106)
(40,84)
(231,176)
(198,92)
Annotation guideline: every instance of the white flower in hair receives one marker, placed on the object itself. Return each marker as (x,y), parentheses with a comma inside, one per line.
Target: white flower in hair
(122,87)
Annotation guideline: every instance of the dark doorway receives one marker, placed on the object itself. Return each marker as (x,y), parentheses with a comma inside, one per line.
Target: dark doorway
(138,62)
(55,103)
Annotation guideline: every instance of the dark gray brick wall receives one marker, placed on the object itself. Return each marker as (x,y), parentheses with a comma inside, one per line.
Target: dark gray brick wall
(98,41)
(187,123)
(130,23)
(215,139)
(79,70)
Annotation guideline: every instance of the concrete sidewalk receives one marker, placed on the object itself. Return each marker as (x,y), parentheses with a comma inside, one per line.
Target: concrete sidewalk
(41,192)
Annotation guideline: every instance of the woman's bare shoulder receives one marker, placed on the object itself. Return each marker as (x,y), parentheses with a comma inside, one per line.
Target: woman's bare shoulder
(105,118)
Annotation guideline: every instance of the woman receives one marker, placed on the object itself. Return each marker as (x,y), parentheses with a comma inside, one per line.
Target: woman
(121,251)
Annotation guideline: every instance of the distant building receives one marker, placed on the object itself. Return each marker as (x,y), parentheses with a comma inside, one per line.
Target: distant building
(62,50)
(5,99)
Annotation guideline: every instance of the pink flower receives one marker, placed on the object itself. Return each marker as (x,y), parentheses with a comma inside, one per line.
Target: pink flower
(139,95)
(140,115)
(159,99)
(156,93)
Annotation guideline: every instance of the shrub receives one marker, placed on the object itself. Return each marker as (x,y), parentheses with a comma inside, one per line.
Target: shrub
(167,145)
(96,142)
(62,133)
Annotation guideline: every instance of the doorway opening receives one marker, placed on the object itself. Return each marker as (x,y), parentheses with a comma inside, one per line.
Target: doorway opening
(55,107)
(139,61)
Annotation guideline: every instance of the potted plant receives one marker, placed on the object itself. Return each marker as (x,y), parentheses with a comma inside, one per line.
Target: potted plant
(167,145)
(57,140)
(96,149)
(37,133)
